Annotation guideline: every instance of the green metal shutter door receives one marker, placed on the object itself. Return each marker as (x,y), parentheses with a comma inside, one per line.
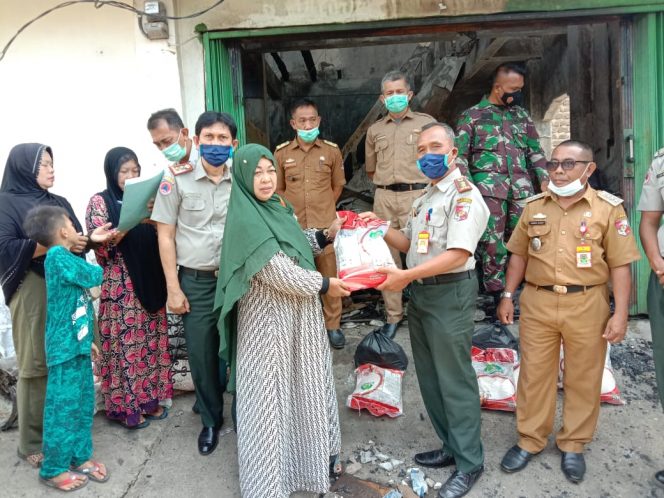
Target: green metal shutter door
(648,101)
(223,81)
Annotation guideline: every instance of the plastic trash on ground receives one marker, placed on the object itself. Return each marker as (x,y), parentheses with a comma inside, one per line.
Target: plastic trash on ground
(418,483)
(378,390)
(497,371)
(378,349)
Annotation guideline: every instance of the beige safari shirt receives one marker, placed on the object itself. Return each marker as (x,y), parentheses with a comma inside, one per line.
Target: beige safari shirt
(308,179)
(553,260)
(197,207)
(652,194)
(391,149)
(453,217)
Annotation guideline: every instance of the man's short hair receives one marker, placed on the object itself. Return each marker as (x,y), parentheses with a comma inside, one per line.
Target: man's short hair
(210,118)
(171,116)
(302,103)
(509,67)
(586,148)
(42,222)
(394,76)
(447,128)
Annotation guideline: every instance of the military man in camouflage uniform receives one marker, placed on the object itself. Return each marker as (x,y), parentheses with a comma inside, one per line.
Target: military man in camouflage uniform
(499,149)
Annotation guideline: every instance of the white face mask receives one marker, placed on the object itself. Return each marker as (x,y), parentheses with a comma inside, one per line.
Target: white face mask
(571,188)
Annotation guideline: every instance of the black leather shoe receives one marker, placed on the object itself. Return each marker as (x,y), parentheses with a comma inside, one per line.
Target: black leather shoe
(659,478)
(389,329)
(516,459)
(207,440)
(573,466)
(459,483)
(337,338)
(434,459)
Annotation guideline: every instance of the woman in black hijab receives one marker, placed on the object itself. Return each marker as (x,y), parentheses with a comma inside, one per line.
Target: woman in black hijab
(27,177)
(134,363)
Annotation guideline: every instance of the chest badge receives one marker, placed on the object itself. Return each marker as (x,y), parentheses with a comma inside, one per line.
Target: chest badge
(539,216)
(536,244)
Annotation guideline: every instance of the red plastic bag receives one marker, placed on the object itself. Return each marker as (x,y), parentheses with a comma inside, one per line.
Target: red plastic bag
(378,390)
(360,249)
(497,371)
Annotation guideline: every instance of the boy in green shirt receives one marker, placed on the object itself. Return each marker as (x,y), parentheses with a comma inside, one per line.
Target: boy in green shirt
(69,405)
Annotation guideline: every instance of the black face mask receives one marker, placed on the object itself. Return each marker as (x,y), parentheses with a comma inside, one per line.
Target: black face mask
(517,98)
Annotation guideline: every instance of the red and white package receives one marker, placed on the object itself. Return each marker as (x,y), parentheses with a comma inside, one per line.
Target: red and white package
(360,249)
(497,371)
(378,390)
(610,393)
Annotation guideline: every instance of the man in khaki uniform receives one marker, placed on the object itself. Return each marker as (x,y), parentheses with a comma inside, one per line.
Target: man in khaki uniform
(567,244)
(190,211)
(391,154)
(310,174)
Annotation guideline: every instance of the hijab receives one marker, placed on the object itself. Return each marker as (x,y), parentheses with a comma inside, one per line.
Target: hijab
(255,231)
(139,247)
(19,192)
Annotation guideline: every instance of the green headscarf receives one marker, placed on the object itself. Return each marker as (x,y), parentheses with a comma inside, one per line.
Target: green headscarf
(255,231)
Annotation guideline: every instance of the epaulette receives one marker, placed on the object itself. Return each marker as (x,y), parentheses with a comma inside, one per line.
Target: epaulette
(535,197)
(281,146)
(180,169)
(331,143)
(660,152)
(610,198)
(462,184)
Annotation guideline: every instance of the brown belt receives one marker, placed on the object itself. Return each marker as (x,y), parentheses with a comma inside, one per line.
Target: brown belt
(199,273)
(563,289)
(403,187)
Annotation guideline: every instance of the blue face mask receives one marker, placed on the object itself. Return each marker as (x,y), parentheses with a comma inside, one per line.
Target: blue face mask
(175,151)
(396,103)
(433,165)
(215,155)
(308,136)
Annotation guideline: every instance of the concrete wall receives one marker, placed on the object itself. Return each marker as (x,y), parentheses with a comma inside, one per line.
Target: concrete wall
(82,80)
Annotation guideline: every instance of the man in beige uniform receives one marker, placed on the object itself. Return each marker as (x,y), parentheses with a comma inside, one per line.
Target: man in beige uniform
(391,154)
(310,175)
(567,244)
(190,211)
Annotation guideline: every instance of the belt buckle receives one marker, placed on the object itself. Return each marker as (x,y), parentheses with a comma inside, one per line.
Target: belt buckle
(560,289)
(216,273)
(419,281)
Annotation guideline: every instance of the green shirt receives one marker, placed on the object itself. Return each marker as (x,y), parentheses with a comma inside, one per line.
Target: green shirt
(69,312)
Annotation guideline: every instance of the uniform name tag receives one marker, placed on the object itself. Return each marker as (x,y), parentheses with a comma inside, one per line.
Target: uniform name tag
(584,257)
(423,243)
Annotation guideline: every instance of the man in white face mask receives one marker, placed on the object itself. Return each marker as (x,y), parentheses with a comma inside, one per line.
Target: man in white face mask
(567,244)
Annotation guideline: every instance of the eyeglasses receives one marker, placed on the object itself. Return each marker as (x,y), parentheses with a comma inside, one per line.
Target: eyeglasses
(567,164)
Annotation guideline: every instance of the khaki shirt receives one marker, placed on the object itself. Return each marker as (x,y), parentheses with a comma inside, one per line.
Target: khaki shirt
(652,194)
(553,260)
(454,215)
(308,179)
(391,149)
(197,207)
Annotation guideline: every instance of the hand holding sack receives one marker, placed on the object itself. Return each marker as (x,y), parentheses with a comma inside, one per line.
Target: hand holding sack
(360,249)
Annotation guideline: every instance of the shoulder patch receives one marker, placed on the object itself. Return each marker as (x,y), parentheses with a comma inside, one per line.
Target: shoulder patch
(180,169)
(610,198)
(535,197)
(462,184)
(281,146)
(331,143)
(660,152)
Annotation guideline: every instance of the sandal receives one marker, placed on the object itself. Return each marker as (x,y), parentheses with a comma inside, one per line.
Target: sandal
(34,459)
(142,425)
(60,485)
(336,467)
(150,416)
(91,469)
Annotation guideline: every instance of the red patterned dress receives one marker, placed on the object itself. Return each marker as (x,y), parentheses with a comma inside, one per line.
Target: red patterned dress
(134,364)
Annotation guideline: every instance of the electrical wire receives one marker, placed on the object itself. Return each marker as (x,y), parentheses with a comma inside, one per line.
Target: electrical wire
(99,4)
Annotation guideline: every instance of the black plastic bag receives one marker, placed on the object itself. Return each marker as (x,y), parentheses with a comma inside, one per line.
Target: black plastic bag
(381,351)
(495,335)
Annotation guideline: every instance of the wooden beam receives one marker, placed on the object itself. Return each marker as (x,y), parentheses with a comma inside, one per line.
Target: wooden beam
(483,53)
(438,86)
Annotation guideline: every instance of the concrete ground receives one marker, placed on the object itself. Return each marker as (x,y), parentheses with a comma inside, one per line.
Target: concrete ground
(162,459)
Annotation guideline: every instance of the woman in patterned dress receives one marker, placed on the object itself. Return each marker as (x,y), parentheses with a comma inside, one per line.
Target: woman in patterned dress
(134,364)
(287,415)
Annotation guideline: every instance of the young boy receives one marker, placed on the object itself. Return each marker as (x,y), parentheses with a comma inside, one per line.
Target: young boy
(69,405)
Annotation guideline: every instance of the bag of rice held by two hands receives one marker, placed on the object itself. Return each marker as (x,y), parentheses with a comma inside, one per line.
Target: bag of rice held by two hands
(360,249)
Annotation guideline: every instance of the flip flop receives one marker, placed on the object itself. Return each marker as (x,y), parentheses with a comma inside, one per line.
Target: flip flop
(164,414)
(142,425)
(73,477)
(34,459)
(88,471)
(336,467)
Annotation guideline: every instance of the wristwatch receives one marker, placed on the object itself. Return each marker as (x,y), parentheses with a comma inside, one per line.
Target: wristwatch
(505,295)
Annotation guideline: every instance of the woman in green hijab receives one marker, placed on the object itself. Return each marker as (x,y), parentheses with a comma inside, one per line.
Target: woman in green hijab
(273,334)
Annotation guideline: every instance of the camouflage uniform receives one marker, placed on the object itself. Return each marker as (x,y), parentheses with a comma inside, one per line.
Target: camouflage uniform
(499,149)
